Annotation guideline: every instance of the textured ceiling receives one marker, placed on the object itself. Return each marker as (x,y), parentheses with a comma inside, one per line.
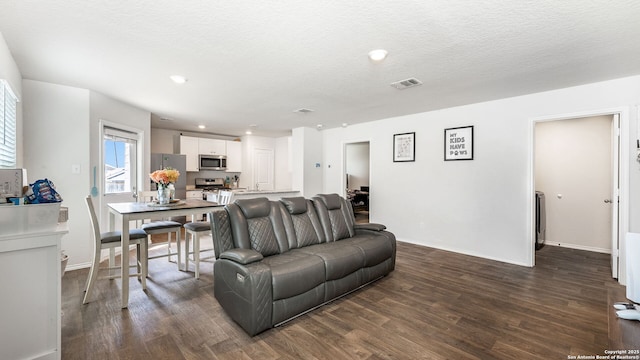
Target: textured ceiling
(255,62)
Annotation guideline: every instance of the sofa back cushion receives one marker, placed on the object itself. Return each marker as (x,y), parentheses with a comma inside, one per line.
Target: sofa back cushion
(301,222)
(335,217)
(257,224)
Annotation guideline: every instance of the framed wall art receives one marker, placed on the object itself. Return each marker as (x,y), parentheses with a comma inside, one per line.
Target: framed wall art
(404,147)
(458,143)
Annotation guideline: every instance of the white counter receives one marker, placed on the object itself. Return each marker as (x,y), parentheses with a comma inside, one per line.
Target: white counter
(269,194)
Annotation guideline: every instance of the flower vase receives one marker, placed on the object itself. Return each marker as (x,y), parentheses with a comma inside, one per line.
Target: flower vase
(164,195)
(172,191)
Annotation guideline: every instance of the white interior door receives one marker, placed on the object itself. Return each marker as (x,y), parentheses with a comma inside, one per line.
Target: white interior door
(615,195)
(263,165)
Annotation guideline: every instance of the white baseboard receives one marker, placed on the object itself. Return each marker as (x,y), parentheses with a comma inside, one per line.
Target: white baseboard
(464,252)
(78,266)
(578,247)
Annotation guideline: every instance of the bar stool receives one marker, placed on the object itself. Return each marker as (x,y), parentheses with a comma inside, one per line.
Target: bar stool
(200,228)
(162,227)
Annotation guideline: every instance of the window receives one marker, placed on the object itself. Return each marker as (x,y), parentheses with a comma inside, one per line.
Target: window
(7,126)
(119,161)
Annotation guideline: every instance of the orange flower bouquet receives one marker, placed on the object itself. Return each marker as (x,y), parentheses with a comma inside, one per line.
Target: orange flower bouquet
(164,177)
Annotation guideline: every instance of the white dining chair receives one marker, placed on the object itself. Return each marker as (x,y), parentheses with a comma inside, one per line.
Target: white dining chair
(193,232)
(162,226)
(224,197)
(112,240)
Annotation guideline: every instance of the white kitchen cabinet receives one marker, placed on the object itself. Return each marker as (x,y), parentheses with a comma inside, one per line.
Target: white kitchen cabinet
(189,146)
(234,156)
(194,194)
(30,279)
(212,146)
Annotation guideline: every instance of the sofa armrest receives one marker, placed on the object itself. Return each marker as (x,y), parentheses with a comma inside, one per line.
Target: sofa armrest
(369,226)
(242,256)
(245,293)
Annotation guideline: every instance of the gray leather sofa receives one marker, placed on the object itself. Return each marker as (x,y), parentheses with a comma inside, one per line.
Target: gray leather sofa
(279,259)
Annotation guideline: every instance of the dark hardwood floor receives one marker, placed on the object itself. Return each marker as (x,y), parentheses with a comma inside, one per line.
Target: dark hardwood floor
(435,305)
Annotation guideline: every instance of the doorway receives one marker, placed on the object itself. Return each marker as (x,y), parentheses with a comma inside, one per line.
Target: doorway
(576,163)
(357,178)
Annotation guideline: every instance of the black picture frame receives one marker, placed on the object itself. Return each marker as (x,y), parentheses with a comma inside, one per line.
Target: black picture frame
(458,143)
(404,147)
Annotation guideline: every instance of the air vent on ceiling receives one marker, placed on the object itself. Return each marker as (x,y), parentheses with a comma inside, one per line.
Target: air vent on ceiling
(406,83)
(303,110)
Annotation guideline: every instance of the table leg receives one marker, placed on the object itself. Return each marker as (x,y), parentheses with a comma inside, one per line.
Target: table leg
(124,257)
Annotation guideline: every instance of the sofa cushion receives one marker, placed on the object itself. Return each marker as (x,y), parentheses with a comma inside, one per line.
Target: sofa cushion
(294,273)
(333,216)
(263,238)
(253,208)
(376,249)
(340,259)
(258,225)
(301,222)
(331,201)
(305,232)
(295,205)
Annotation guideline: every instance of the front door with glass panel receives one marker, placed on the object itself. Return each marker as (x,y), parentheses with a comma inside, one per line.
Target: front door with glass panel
(119,167)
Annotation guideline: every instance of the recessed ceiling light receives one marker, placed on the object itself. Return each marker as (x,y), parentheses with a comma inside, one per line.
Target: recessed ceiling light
(319,126)
(345,124)
(378,54)
(248,132)
(201,126)
(303,110)
(178,79)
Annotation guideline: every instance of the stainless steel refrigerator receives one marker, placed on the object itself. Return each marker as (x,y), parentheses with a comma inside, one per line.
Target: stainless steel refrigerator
(175,161)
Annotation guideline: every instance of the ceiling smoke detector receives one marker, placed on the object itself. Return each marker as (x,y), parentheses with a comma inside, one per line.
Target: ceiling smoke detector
(303,111)
(406,83)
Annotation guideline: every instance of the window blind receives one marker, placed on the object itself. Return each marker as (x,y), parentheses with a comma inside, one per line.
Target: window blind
(8,104)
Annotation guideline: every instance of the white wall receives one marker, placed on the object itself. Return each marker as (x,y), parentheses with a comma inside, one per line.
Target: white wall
(307,161)
(480,207)
(282,167)
(62,127)
(357,164)
(9,71)
(56,124)
(573,169)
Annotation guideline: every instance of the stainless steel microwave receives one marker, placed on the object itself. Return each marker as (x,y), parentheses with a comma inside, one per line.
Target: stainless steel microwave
(212,162)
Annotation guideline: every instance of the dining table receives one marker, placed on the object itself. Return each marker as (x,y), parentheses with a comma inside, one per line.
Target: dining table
(131,211)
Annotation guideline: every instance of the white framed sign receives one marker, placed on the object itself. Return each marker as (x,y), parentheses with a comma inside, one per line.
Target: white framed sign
(458,143)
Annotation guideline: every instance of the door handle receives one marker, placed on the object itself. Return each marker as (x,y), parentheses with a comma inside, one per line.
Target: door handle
(607,201)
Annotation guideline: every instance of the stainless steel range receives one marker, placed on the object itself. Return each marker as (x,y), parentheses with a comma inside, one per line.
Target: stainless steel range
(210,187)
(212,184)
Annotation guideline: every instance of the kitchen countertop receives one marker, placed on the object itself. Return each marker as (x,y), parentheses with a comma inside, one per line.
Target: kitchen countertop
(265,192)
